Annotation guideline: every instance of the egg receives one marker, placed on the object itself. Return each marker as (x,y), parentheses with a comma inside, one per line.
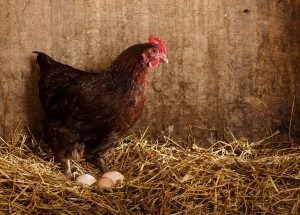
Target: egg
(86,179)
(114,176)
(104,182)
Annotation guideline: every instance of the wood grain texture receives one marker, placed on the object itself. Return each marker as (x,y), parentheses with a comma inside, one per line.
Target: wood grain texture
(233,64)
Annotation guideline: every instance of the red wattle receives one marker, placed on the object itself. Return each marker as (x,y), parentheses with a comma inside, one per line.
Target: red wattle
(153,63)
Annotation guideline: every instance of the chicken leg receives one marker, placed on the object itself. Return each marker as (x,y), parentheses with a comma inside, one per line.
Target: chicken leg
(68,171)
(102,164)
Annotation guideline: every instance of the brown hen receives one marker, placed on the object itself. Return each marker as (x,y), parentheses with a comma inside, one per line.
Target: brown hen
(87,113)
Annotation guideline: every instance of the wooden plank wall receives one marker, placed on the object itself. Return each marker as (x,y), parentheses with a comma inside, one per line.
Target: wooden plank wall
(233,64)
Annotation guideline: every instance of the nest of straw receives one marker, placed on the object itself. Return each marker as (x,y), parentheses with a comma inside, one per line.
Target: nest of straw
(161,177)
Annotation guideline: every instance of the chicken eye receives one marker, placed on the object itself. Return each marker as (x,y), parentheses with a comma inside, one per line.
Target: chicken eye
(154,50)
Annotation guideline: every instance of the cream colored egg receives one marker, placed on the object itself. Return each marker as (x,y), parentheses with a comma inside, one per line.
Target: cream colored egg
(86,179)
(104,182)
(114,176)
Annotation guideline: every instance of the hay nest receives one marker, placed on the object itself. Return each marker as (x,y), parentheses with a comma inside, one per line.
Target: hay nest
(161,177)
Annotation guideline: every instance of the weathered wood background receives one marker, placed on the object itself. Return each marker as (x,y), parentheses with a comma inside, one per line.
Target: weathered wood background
(233,64)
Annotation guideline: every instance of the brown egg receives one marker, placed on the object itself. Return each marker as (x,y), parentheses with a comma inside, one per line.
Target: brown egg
(104,182)
(114,176)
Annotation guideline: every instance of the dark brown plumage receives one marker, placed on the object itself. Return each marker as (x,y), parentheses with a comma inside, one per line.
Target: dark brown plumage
(86,113)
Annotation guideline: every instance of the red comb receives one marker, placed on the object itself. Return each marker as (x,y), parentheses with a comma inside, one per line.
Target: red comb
(159,43)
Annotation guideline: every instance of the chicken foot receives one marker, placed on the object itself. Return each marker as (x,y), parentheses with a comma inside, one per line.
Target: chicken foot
(68,171)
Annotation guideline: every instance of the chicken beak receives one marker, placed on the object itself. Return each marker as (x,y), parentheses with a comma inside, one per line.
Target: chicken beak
(165,59)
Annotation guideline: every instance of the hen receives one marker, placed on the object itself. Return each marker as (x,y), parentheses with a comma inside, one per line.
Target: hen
(87,113)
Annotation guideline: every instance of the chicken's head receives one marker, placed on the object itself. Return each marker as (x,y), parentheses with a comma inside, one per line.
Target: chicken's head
(153,55)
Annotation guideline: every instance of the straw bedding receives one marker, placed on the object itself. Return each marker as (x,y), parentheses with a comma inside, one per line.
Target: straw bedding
(161,177)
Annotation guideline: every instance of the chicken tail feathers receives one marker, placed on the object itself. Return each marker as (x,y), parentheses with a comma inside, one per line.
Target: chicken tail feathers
(43,59)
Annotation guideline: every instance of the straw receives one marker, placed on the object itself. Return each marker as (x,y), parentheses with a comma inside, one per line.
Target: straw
(161,177)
